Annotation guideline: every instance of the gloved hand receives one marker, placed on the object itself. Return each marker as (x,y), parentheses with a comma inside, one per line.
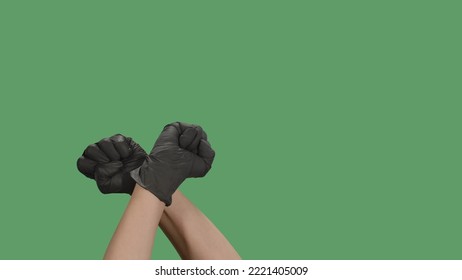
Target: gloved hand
(181,151)
(110,161)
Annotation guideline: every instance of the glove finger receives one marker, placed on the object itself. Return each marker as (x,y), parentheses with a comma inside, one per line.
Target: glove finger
(109,169)
(183,126)
(169,136)
(108,149)
(206,152)
(121,145)
(187,137)
(204,135)
(193,147)
(94,153)
(199,168)
(86,167)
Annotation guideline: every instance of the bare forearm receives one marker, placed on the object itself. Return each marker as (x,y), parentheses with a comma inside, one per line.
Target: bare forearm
(134,236)
(192,234)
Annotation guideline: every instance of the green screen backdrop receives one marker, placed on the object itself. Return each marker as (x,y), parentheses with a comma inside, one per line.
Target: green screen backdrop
(336,123)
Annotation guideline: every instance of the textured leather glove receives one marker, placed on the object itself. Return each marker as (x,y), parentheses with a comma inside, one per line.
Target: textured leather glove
(181,151)
(110,161)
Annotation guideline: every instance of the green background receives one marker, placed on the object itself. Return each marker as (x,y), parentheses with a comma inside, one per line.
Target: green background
(336,123)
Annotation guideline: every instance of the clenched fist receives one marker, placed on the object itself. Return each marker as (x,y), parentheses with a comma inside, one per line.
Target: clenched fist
(110,161)
(180,152)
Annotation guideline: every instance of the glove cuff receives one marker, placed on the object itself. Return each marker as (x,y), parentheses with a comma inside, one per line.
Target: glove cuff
(137,175)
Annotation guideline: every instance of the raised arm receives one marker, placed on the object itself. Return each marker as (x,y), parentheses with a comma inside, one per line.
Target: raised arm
(134,237)
(192,234)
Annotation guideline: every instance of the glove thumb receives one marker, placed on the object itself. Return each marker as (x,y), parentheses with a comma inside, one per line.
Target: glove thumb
(104,174)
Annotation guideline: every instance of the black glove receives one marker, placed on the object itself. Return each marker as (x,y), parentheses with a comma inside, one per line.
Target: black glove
(110,161)
(180,152)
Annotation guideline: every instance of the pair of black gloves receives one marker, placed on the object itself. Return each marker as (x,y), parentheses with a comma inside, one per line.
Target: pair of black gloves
(117,163)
